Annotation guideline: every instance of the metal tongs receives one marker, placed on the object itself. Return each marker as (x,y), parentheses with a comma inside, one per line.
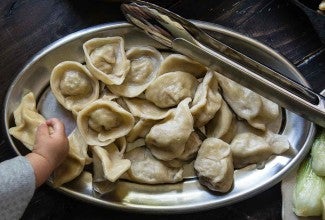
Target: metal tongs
(182,36)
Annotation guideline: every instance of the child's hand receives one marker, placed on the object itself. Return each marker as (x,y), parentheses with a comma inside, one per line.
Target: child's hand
(51,142)
(51,148)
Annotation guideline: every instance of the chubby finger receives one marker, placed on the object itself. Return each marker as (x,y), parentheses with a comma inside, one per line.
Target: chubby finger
(57,125)
(42,130)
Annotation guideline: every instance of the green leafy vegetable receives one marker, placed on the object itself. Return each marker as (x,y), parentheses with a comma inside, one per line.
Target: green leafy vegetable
(323,201)
(318,154)
(308,192)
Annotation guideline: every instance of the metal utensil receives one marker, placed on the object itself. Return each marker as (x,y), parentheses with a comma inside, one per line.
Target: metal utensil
(182,36)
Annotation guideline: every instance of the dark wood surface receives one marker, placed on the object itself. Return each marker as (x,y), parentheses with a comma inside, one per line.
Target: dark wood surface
(26,26)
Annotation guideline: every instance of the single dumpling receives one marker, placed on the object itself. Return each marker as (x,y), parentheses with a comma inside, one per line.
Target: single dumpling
(121,145)
(27,119)
(178,62)
(148,115)
(248,148)
(74,163)
(171,88)
(144,109)
(167,139)
(140,142)
(268,113)
(190,150)
(145,62)
(147,169)
(105,93)
(140,129)
(244,102)
(76,139)
(207,100)
(247,104)
(278,142)
(73,85)
(109,163)
(106,59)
(102,121)
(222,125)
(192,146)
(214,165)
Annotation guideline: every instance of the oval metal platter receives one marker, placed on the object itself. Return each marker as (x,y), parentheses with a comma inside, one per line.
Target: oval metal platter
(188,195)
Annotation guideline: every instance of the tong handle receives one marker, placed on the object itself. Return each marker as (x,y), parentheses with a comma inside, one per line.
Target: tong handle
(206,42)
(313,109)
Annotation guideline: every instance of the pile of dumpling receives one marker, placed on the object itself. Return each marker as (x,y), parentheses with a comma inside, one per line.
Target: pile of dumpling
(142,116)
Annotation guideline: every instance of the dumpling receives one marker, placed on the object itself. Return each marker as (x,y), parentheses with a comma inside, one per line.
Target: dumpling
(279,143)
(171,88)
(148,114)
(76,139)
(73,85)
(268,113)
(27,119)
(121,144)
(232,131)
(244,102)
(178,62)
(105,93)
(102,121)
(247,104)
(108,163)
(214,165)
(106,59)
(140,129)
(145,62)
(248,148)
(207,100)
(167,139)
(140,142)
(222,125)
(147,169)
(146,110)
(191,148)
(74,163)
(122,103)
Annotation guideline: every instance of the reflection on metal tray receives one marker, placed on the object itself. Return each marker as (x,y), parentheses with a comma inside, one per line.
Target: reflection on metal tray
(189,195)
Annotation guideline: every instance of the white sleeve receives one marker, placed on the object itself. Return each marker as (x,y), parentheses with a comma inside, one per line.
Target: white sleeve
(17,186)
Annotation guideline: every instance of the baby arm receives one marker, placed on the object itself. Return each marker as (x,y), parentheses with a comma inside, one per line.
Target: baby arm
(51,147)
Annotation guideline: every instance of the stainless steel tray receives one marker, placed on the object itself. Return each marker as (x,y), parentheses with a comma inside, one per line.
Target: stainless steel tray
(189,195)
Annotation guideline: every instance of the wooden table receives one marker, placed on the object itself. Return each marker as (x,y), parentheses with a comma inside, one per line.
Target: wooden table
(26,26)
